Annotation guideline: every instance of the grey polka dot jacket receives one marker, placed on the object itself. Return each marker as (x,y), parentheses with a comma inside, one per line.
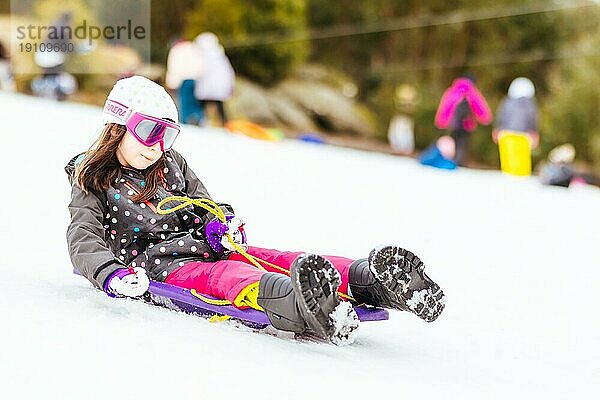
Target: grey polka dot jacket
(109,231)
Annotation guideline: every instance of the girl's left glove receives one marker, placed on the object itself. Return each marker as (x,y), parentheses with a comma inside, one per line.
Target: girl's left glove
(127,282)
(216,234)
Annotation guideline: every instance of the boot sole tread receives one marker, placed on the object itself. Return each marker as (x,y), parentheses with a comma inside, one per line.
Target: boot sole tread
(317,281)
(392,267)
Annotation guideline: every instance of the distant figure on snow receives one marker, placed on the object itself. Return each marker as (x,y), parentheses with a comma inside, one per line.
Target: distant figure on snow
(215,85)
(440,154)
(6,78)
(518,112)
(55,83)
(559,169)
(184,67)
(401,131)
(462,106)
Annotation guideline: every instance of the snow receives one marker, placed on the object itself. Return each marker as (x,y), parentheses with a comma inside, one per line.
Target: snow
(518,263)
(346,324)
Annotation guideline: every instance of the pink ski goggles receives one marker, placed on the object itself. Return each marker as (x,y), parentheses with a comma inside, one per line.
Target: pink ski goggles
(146,129)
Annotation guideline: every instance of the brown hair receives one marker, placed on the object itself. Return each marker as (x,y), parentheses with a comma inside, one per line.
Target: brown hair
(101,168)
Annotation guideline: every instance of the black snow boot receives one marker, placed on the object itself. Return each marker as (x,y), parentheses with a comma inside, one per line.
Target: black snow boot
(276,296)
(315,282)
(308,302)
(393,277)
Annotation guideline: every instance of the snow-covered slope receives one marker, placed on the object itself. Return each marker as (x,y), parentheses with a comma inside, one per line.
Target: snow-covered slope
(519,264)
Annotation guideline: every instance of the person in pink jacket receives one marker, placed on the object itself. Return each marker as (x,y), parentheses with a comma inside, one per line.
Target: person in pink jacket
(461,108)
(119,241)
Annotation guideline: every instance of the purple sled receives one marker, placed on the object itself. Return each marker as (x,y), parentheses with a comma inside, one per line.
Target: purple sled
(181,299)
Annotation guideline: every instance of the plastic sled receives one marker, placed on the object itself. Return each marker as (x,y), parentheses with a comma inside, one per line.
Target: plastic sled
(310,137)
(515,153)
(434,158)
(276,134)
(181,299)
(251,129)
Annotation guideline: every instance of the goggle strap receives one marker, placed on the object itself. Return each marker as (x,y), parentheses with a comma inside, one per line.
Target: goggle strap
(117,110)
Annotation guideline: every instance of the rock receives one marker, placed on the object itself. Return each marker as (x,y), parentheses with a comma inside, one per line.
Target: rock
(250,102)
(289,113)
(327,106)
(335,79)
(317,99)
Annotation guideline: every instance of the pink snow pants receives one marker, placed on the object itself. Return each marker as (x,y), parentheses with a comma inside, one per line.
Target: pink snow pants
(225,279)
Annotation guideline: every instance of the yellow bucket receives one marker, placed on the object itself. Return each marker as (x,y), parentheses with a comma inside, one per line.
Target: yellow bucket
(515,153)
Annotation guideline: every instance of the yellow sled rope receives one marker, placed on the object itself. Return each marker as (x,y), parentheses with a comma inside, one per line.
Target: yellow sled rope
(213,208)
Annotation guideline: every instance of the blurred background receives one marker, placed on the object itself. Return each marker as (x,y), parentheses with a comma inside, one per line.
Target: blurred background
(339,72)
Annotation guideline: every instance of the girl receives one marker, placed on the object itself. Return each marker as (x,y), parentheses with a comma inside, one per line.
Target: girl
(118,241)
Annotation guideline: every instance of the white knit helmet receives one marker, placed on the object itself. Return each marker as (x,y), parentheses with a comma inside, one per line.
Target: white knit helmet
(138,94)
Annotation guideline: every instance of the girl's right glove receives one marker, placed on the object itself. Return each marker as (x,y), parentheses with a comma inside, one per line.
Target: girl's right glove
(127,282)
(216,234)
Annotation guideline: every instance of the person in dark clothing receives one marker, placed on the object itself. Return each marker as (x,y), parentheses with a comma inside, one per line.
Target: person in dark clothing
(462,106)
(55,83)
(518,112)
(559,169)
(6,77)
